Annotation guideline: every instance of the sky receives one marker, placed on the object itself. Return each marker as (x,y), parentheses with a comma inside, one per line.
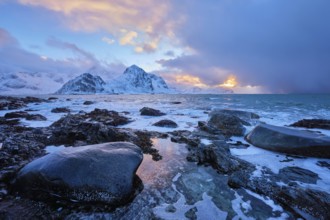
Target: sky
(248,46)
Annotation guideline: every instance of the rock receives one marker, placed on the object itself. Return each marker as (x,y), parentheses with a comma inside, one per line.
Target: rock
(103,173)
(19,114)
(52,98)
(228,124)
(170,208)
(27,116)
(9,122)
(88,103)
(175,103)
(313,202)
(60,110)
(298,174)
(191,214)
(218,156)
(286,140)
(36,117)
(244,115)
(151,112)
(312,123)
(166,123)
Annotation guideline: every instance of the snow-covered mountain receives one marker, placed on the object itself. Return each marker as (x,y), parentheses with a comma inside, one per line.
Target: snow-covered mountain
(83,84)
(23,82)
(134,80)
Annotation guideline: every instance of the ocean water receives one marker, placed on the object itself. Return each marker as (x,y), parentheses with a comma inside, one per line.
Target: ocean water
(172,180)
(187,110)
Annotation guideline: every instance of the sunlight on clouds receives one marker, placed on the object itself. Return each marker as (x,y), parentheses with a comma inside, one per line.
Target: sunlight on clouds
(230,82)
(128,38)
(190,80)
(146,20)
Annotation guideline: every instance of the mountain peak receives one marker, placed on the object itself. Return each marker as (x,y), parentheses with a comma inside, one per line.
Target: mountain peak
(134,69)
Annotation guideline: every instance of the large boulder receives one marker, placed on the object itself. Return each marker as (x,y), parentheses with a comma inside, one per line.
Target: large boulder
(244,115)
(291,141)
(228,124)
(166,123)
(102,173)
(150,112)
(313,123)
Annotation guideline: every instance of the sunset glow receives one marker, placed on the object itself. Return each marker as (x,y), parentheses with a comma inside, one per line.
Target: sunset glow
(231,82)
(190,80)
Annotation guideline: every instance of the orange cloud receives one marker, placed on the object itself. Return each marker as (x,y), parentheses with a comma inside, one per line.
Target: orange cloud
(147,18)
(189,80)
(230,82)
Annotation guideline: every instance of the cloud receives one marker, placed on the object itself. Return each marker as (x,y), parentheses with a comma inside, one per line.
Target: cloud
(281,45)
(14,58)
(108,40)
(146,20)
(169,53)
(6,39)
(128,38)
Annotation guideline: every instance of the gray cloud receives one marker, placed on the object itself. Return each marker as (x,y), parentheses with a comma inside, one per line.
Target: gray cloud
(282,45)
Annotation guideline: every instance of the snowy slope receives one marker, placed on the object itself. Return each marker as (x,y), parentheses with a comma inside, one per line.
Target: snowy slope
(29,83)
(135,80)
(83,84)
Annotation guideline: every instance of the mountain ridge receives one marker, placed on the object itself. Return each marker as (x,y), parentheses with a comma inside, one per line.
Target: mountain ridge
(134,80)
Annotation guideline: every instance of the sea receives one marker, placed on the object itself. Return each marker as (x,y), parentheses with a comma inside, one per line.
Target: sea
(170,183)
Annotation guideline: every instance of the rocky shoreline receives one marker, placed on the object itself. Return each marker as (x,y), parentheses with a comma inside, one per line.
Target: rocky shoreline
(21,145)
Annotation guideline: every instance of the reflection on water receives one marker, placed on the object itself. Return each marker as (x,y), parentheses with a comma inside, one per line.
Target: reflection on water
(159,174)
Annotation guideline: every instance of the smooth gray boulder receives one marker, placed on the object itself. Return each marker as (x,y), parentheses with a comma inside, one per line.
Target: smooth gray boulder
(102,173)
(291,141)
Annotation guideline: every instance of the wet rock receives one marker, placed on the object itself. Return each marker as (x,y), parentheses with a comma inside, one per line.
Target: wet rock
(97,115)
(151,112)
(217,155)
(103,173)
(286,140)
(323,164)
(19,114)
(191,214)
(36,117)
(298,174)
(30,99)
(244,115)
(112,118)
(312,123)
(166,123)
(170,208)
(88,102)
(52,98)
(60,110)
(96,127)
(227,124)
(176,103)
(9,122)
(11,103)
(306,201)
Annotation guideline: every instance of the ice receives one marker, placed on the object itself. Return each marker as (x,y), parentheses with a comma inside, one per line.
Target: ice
(276,161)
(52,148)
(236,205)
(206,141)
(266,200)
(206,209)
